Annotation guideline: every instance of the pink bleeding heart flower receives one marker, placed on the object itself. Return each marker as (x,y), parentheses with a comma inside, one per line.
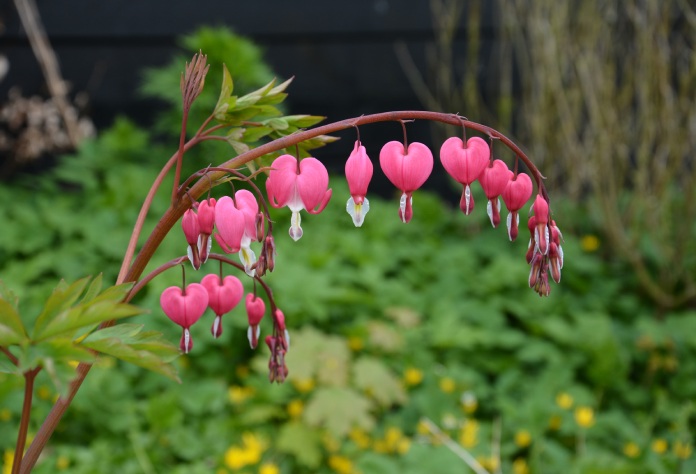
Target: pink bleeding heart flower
(206,222)
(185,307)
(223,296)
(555,252)
(494,179)
(246,202)
(407,169)
(541,232)
(465,164)
(192,231)
(299,186)
(230,223)
(358,174)
(515,196)
(255,308)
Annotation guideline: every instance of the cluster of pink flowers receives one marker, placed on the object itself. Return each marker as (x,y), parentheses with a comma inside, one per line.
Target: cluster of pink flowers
(236,221)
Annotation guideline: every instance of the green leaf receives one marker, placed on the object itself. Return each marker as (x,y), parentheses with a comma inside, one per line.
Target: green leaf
(144,349)
(62,298)
(254,134)
(372,376)
(11,328)
(225,92)
(81,316)
(303,121)
(301,441)
(93,289)
(277,123)
(338,410)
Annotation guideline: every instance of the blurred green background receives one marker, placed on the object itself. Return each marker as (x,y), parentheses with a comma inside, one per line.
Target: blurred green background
(412,342)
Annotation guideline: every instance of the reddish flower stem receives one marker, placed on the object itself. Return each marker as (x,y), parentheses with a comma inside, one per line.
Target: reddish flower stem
(29,377)
(9,355)
(177,209)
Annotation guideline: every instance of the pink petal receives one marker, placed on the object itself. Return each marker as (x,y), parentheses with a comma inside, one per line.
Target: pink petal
(312,185)
(206,216)
(255,309)
(223,295)
(246,202)
(230,224)
(418,164)
(494,179)
(184,309)
(281,182)
(517,192)
(465,163)
(358,173)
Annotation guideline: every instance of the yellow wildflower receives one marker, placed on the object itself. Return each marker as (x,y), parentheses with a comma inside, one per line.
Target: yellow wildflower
(520,466)
(422,427)
(295,408)
(249,453)
(564,400)
(355,343)
(380,446)
(584,416)
(488,463)
(360,438)
(447,385)
(43,392)
(237,394)
(8,459)
(403,445)
(236,458)
(392,437)
(523,438)
(62,463)
(413,376)
(340,464)
(631,450)
(269,468)
(659,446)
(303,385)
(468,436)
(682,450)
(331,444)
(589,243)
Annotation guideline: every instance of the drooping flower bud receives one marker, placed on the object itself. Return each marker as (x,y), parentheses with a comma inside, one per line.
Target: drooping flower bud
(541,214)
(206,221)
(255,308)
(358,174)
(192,230)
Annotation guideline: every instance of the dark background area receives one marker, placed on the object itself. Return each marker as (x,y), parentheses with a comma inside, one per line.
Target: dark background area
(342,55)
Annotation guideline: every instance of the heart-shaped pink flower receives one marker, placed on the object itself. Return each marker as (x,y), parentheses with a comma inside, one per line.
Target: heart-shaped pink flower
(407,169)
(231,224)
(358,174)
(299,186)
(223,296)
(465,163)
(185,308)
(494,179)
(515,196)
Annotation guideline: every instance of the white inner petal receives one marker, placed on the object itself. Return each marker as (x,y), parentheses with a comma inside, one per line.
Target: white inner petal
(295,228)
(248,259)
(216,325)
(357,211)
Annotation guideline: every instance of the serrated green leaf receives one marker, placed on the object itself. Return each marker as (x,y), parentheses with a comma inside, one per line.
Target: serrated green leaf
(62,298)
(303,121)
(302,442)
(87,315)
(93,289)
(254,134)
(9,296)
(372,376)
(11,328)
(225,90)
(239,147)
(144,349)
(276,123)
(338,410)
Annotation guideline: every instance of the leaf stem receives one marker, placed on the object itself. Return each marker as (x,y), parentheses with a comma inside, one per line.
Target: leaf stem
(9,355)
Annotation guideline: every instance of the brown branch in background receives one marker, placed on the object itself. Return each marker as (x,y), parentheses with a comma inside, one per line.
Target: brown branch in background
(40,45)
